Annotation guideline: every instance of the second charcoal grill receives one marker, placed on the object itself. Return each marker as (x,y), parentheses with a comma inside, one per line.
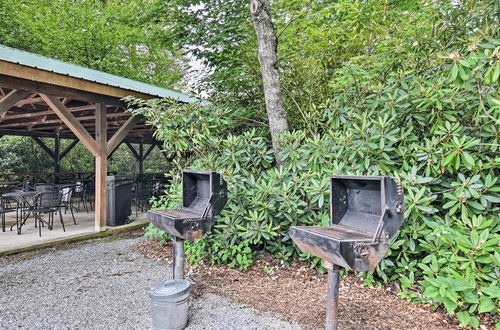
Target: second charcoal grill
(365,213)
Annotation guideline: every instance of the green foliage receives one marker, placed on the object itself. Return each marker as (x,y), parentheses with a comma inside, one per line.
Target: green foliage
(22,155)
(113,36)
(438,135)
(118,37)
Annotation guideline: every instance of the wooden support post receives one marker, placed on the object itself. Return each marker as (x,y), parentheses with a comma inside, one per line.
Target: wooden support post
(101,161)
(57,157)
(167,157)
(132,149)
(141,157)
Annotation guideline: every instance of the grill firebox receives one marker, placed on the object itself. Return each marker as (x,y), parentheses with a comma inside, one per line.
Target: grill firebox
(365,213)
(204,194)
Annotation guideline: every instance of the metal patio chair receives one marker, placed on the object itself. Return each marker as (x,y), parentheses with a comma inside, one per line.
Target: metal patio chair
(82,195)
(47,203)
(44,187)
(5,207)
(67,201)
(141,196)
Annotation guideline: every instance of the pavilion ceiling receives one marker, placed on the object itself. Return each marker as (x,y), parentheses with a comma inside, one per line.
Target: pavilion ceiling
(26,113)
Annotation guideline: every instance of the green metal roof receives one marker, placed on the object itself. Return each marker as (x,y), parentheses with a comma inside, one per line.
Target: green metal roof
(17,56)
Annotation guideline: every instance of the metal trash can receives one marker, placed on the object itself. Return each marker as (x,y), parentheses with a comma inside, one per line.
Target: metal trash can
(169,304)
(119,199)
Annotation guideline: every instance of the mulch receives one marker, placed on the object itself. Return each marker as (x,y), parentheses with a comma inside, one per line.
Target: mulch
(298,294)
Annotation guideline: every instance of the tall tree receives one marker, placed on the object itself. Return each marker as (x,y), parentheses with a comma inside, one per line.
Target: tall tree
(268,47)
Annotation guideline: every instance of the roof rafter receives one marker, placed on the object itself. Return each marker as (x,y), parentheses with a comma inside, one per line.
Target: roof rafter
(70,121)
(9,100)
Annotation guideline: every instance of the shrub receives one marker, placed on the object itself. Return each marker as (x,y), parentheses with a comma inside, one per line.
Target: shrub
(438,133)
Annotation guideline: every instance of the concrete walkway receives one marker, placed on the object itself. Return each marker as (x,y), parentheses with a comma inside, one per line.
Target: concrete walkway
(103,284)
(29,239)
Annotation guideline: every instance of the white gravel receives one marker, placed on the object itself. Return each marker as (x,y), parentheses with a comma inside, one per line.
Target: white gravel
(103,284)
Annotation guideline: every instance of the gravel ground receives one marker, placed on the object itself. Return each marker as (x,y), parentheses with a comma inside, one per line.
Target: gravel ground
(103,284)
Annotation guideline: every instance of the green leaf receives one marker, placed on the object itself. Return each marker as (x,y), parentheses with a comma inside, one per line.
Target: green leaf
(486,305)
(463,318)
(474,322)
(468,160)
(493,291)
(454,72)
(450,305)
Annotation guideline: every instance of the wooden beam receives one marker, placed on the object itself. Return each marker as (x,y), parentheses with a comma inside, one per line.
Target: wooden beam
(50,112)
(55,121)
(148,151)
(69,148)
(132,149)
(9,100)
(67,81)
(30,100)
(14,132)
(44,147)
(112,152)
(101,159)
(122,133)
(73,124)
(112,125)
(50,88)
(160,146)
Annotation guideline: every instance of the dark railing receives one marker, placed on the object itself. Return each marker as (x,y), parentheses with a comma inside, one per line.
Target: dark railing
(46,177)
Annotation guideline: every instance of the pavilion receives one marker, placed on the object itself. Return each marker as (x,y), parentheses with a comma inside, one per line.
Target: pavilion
(44,97)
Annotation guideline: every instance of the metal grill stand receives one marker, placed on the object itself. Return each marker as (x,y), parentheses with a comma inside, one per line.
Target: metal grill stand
(178,255)
(332,296)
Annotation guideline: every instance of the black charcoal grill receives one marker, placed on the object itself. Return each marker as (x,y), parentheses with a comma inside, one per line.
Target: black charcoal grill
(365,213)
(204,194)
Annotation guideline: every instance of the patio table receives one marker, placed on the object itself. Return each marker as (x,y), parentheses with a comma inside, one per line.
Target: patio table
(24,200)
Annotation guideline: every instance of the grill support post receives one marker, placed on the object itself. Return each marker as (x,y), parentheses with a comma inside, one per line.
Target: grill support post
(332,296)
(178,246)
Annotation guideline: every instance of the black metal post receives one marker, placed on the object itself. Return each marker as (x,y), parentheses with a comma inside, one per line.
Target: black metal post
(332,296)
(141,157)
(178,255)
(57,157)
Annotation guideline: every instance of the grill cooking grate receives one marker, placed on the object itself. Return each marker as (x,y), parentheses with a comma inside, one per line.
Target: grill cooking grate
(341,233)
(179,214)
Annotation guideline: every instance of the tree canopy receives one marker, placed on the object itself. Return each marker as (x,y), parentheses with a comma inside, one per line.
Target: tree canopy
(114,36)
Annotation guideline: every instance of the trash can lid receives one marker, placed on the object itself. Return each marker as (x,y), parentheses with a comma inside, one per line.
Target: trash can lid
(170,289)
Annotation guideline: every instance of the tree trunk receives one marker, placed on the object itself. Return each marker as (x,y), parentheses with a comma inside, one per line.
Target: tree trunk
(268,45)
